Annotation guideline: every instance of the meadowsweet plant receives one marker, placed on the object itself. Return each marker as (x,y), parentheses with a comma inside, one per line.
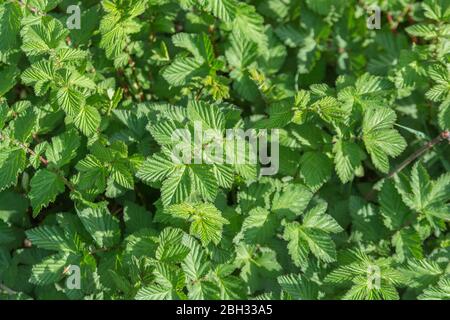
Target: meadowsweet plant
(224,149)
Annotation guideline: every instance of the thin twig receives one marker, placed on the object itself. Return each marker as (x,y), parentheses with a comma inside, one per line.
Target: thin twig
(44,161)
(443,136)
(31,8)
(27,149)
(199,93)
(6,290)
(419,152)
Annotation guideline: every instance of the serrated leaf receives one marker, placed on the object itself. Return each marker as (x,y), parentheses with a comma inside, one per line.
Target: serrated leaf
(156,168)
(209,116)
(206,221)
(299,287)
(203,182)
(12,163)
(393,209)
(408,244)
(63,148)
(259,226)
(45,186)
(98,221)
(348,159)
(87,119)
(315,168)
(293,199)
(223,9)
(422,30)
(50,270)
(177,187)
(379,138)
(49,237)
(171,248)
(70,100)
(182,70)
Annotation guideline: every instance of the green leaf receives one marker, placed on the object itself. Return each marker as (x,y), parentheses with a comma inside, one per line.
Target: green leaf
(136,217)
(259,226)
(121,174)
(320,244)
(167,286)
(69,55)
(9,79)
(195,265)
(98,221)
(24,125)
(444,114)
(45,186)
(426,31)
(318,219)
(177,187)
(87,119)
(155,292)
(63,148)
(324,6)
(118,24)
(366,220)
(224,175)
(209,116)
(10,17)
(4,109)
(70,100)
(423,195)
(348,159)
(223,9)
(92,174)
(203,181)
(198,44)
(292,200)
(163,131)
(49,237)
(440,291)
(299,287)
(394,211)
(297,245)
(379,138)
(183,70)
(206,221)
(50,270)
(41,38)
(40,74)
(171,248)
(315,168)
(408,244)
(12,163)
(312,236)
(156,168)
(250,24)
(9,234)
(330,110)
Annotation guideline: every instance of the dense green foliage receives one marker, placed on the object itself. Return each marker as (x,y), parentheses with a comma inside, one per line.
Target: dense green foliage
(86,117)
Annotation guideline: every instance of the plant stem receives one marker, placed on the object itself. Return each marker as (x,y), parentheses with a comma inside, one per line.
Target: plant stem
(44,161)
(199,93)
(7,290)
(419,152)
(31,8)
(443,136)
(26,148)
